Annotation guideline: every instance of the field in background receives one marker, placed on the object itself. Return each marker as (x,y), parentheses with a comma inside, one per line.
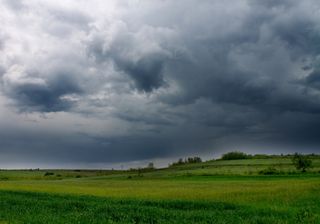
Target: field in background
(233,191)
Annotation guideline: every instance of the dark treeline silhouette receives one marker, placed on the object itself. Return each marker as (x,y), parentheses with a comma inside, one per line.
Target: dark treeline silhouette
(241,155)
(188,160)
(235,155)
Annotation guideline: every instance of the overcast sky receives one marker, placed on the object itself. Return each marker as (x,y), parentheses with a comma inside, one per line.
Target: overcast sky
(97,83)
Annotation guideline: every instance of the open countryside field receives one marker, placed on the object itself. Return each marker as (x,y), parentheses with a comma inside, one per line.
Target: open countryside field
(160,112)
(234,191)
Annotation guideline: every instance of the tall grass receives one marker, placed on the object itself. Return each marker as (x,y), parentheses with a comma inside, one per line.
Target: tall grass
(23,207)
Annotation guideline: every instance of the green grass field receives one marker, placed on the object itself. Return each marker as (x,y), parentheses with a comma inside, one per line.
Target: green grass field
(209,192)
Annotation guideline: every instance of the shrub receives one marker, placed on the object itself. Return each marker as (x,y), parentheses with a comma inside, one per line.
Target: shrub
(235,155)
(48,174)
(269,171)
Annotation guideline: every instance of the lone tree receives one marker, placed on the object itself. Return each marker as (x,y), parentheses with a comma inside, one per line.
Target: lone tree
(301,162)
(150,166)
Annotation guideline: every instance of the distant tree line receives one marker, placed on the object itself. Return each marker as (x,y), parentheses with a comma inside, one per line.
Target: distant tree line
(235,155)
(140,170)
(188,160)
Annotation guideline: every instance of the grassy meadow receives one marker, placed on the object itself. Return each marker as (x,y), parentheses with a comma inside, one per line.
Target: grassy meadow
(233,191)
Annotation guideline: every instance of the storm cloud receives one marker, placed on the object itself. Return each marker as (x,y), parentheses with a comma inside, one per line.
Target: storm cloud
(111,82)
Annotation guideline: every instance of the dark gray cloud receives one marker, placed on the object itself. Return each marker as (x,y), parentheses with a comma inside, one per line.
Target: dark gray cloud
(147,73)
(143,62)
(160,79)
(32,91)
(313,79)
(45,97)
